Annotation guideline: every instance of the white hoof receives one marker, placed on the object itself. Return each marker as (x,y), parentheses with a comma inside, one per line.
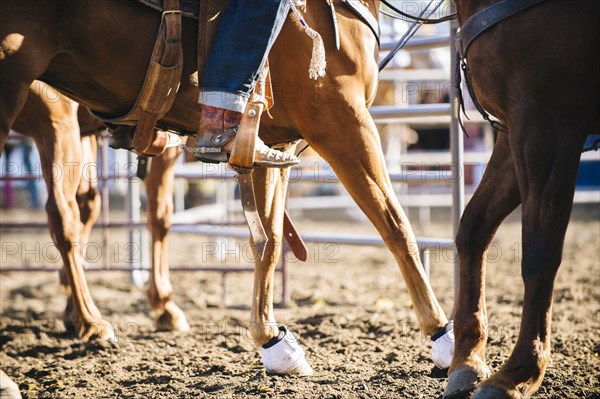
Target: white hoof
(283,355)
(443,347)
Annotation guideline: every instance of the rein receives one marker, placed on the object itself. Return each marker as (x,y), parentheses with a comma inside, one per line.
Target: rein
(413,28)
(407,17)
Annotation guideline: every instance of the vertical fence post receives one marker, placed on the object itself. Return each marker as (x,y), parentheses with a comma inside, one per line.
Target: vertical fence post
(457,150)
(105,218)
(132,206)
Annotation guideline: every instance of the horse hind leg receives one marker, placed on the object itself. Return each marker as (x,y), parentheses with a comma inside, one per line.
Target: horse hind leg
(88,196)
(60,154)
(159,188)
(546,158)
(496,196)
(88,200)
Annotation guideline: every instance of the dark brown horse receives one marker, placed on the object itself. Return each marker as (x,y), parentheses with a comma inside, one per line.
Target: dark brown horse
(69,45)
(538,73)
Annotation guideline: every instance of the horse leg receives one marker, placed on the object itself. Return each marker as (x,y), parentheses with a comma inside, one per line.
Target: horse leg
(88,196)
(360,167)
(546,160)
(159,188)
(88,200)
(496,196)
(281,353)
(60,154)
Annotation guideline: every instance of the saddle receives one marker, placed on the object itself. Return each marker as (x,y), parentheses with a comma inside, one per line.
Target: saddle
(162,82)
(163,76)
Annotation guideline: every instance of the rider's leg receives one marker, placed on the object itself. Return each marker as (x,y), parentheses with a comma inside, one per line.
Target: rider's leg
(239,52)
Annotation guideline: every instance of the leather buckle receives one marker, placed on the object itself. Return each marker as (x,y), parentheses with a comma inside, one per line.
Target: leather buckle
(170,12)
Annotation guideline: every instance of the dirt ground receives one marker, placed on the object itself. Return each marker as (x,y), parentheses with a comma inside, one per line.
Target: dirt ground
(350,309)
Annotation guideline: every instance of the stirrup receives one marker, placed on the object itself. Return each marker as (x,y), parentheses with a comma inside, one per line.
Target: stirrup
(217,150)
(272,158)
(213,150)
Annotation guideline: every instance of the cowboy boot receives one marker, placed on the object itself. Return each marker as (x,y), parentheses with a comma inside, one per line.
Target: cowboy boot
(216,137)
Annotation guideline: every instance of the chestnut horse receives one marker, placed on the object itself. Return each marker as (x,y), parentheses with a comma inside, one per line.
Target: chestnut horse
(51,119)
(65,135)
(538,73)
(69,45)
(66,143)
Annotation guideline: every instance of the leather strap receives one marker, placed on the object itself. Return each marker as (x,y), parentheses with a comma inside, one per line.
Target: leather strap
(160,85)
(257,230)
(293,238)
(242,155)
(365,14)
(483,20)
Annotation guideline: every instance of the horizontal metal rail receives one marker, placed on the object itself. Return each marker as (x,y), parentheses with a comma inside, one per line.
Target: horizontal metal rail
(387,113)
(418,43)
(342,239)
(219,269)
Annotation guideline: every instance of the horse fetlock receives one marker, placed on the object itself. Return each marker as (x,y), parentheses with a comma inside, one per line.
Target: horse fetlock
(159,296)
(262,333)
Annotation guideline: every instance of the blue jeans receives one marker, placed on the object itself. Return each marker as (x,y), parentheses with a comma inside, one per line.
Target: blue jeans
(240,49)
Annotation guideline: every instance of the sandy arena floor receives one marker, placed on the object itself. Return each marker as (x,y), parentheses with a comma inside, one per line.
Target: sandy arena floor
(351,312)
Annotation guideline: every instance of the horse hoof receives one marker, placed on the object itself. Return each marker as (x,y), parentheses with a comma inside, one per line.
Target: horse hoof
(461,383)
(491,392)
(442,347)
(102,331)
(8,388)
(283,355)
(170,322)
(172,319)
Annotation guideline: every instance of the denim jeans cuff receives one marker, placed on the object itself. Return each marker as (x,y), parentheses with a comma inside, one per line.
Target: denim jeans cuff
(222,99)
